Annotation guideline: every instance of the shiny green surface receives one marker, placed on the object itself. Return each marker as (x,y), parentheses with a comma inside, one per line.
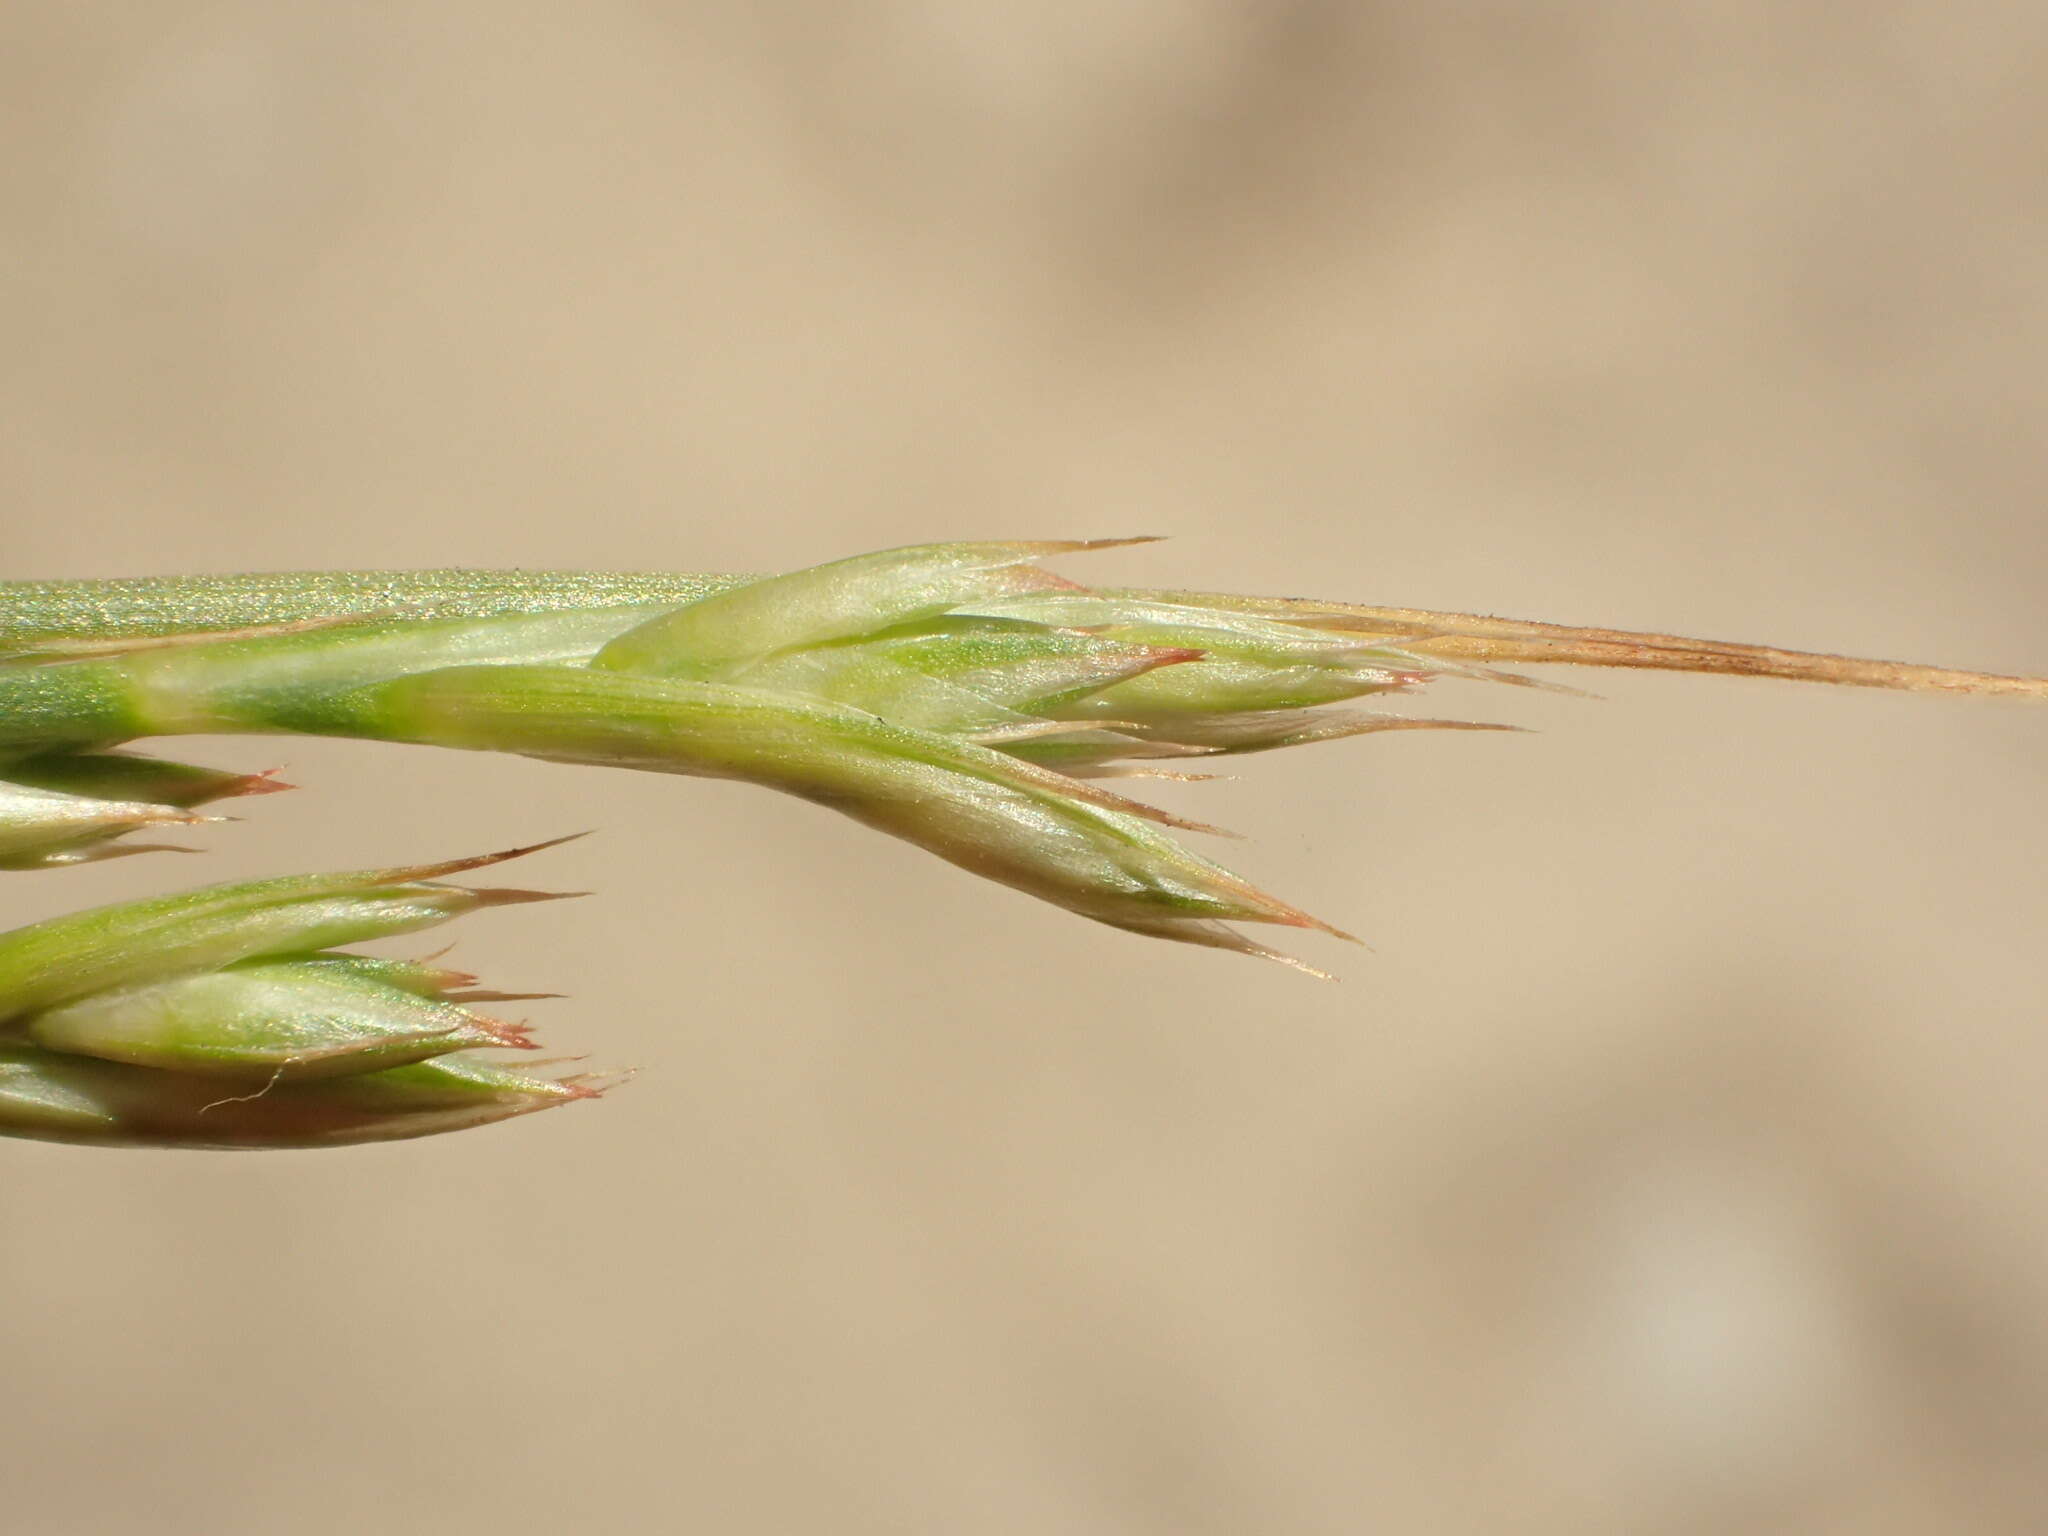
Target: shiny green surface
(34,614)
(133,942)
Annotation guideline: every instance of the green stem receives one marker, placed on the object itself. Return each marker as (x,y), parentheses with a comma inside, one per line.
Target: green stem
(289,682)
(59,618)
(74,616)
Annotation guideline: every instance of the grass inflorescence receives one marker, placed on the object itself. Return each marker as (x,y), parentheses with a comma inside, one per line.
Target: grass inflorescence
(961,697)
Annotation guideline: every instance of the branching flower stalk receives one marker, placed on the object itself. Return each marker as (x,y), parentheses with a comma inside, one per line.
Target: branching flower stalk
(958,696)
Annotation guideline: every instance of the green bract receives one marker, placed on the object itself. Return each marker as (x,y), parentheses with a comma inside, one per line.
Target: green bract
(282,1018)
(41,827)
(66,807)
(51,1097)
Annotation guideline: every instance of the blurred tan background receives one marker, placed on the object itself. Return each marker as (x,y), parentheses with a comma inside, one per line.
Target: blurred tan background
(1675,1160)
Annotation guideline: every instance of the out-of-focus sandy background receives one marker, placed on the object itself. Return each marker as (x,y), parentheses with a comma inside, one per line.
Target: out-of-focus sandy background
(1675,1161)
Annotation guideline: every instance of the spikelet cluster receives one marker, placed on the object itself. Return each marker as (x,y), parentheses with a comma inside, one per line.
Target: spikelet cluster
(229,1017)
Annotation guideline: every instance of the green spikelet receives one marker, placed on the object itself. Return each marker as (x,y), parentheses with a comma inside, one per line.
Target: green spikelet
(220,1018)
